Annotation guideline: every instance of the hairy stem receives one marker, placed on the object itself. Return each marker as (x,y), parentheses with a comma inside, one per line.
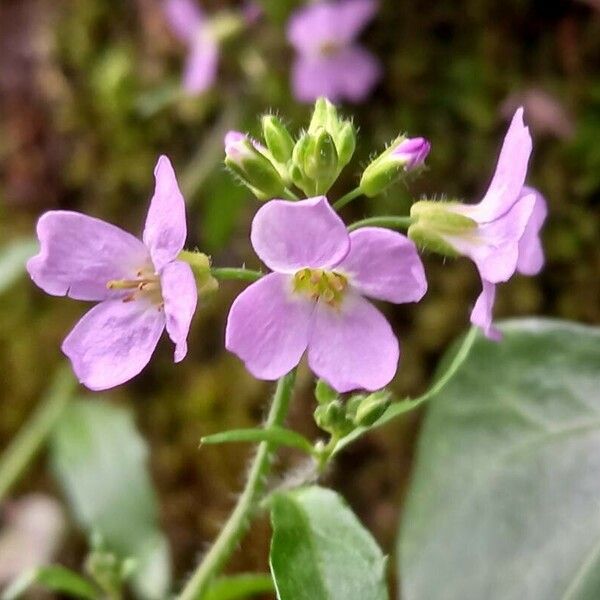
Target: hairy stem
(248,502)
(233,273)
(347,198)
(391,222)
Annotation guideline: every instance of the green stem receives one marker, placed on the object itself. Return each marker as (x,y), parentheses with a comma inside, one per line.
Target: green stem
(233,273)
(248,502)
(391,222)
(346,199)
(32,435)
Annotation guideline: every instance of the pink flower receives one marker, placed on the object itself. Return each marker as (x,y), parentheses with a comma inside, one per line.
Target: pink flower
(411,152)
(141,287)
(313,300)
(329,63)
(190,25)
(505,237)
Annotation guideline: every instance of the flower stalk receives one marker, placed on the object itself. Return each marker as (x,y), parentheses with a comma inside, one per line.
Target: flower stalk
(248,502)
(391,222)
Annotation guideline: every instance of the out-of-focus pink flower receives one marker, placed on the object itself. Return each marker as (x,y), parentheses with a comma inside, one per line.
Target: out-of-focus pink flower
(329,63)
(314,300)
(141,287)
(190,25)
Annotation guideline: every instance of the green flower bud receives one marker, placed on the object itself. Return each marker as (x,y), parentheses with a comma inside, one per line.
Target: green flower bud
(321,161)
(247,159)
(345,143)
(324,116)
(200,264)
(434,223)
(278,139)
(372,408)
(324,393)
(332,418)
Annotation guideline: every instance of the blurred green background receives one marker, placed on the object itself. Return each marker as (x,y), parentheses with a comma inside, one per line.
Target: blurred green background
(89,97)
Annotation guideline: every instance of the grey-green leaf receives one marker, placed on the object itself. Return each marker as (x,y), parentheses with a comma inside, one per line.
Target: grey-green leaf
(13,257)
(505,498)
(55,578)
(320,550)
(100,460)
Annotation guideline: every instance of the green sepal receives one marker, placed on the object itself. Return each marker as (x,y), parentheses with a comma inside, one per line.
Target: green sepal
(278,138)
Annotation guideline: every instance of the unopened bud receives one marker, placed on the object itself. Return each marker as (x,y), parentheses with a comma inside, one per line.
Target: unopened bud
(435,224)
(246,158)
(345,143)
(324,393)
(278,139)
(321,161)
(331,417)
(404,155)
(372,408)
(324,116)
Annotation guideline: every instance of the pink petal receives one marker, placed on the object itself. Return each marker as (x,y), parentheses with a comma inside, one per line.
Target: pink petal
(531,252)
(184,17)
(494,247)
(288,236)
(201,64)
(268,327)
(510,174)
(180,296)
(329,23)
(165,230)
(113,342)
(349,74)
(352,347)
(384,264)
(481,315)
(79,255)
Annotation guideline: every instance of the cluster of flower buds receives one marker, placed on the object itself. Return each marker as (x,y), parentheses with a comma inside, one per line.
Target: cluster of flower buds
(339,418)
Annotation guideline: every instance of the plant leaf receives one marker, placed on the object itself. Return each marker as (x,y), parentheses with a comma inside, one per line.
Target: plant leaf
(244,585)
(320,551)
(279,436)
(504,501)
(55,578)
(13,257)
(100,460)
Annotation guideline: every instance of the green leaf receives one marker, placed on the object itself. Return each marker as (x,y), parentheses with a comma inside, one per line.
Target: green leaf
(505,496)
(13,257)
(449,367)
(55,578)
(100,460)
(240,586)
(275,435)
(320,551)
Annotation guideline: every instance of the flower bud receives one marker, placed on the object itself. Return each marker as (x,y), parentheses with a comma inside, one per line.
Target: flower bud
(324,116)
(331,417)
(321,161)
(345,143)
(435,222)
(278,139)
(404,155)
(371,408)
(324,393)
(246,158)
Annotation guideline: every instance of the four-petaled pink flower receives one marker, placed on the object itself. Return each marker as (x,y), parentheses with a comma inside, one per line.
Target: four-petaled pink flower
(313,300)
(509,219)
(329,63)
(190,25)
(141,286)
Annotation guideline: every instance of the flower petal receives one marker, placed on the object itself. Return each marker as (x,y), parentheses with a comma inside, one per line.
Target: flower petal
(510,174)
(329,23)
(288,236)
(481,315)
(201,64)
(184,17)
(494,247)
(113,342)
(352,347)
(384,264)
(531,252)
(79,255)
(350,74)
(180,296)
(268,327)
(165,230)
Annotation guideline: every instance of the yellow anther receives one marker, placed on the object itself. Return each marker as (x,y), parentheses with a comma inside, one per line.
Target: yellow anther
(318,284)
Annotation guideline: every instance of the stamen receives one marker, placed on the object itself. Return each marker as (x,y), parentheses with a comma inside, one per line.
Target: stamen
(318,284)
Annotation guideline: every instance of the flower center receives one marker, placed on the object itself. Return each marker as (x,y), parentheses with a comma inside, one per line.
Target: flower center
(329,48)
(319,284)
(146,285)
